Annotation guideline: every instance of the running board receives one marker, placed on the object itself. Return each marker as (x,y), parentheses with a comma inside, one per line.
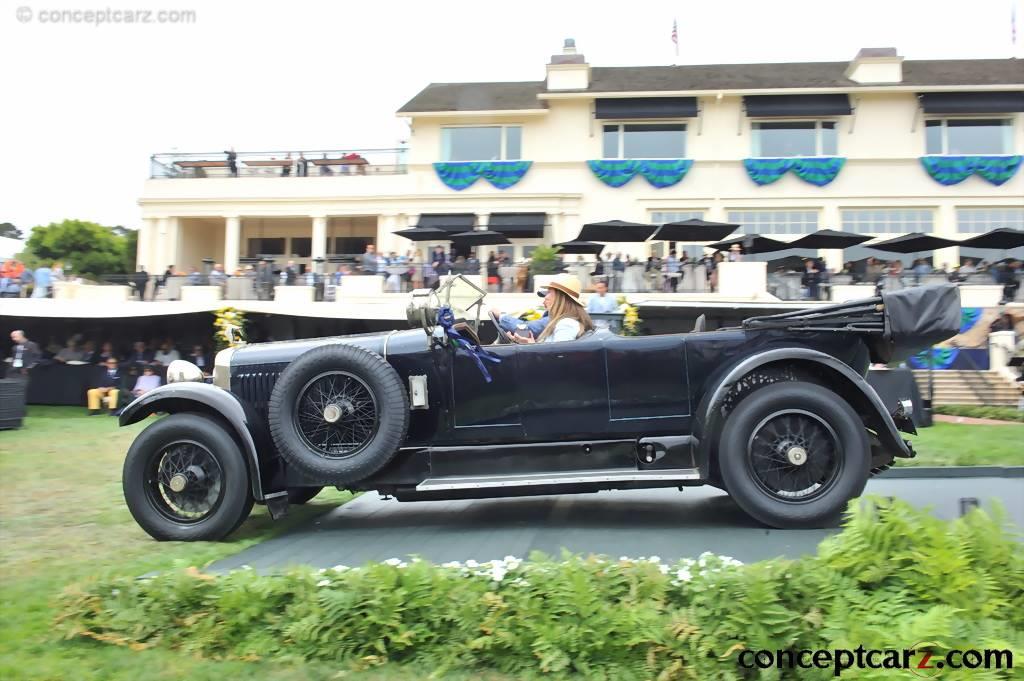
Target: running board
(563,478)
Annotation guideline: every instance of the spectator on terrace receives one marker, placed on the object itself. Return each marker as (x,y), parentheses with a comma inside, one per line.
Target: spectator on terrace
(107,388)
(139,281)
(325,169)
(232,162)
(199,357)
(146,382)
(140,354)
(166,354)
(811,279)
(43,277)
(71,352)
(968,268)
(369,260)
(286,169)
(194,276)
(105,353)
(24,354)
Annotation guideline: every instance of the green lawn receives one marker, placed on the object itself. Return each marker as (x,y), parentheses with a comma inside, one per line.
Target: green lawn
(63,520)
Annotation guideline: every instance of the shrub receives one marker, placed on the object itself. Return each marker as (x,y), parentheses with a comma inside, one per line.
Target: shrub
(981,412)
(894,576)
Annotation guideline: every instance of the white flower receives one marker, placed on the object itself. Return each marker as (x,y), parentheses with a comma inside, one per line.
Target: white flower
(472,563)
(321,571)
(393,562)
(654,559)
(115,592)
(498,573)
(451,564)
(663,569)
(683,575)
(246,567)
(323,582)
(623,559)
(341,568)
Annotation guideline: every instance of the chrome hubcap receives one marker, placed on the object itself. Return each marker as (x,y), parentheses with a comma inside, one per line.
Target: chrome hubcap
(797,456)
(332,413)
(178,483)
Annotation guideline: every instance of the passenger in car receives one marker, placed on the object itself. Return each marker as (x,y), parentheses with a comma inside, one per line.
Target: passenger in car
(568,319)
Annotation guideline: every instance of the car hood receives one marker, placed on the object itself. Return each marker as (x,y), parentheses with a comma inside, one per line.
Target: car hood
(286,351)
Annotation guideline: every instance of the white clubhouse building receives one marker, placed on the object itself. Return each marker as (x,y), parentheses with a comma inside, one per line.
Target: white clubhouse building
(879,145)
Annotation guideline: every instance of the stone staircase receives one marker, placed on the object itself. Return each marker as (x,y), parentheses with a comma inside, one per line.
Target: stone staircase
(969,387)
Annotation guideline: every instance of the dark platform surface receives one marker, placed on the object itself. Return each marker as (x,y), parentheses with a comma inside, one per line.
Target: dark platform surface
(662,522)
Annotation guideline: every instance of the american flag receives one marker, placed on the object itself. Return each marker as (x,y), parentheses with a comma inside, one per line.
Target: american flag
(675,36)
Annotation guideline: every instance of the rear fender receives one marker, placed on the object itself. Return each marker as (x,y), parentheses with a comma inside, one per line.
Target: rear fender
(204,398)
(841,379)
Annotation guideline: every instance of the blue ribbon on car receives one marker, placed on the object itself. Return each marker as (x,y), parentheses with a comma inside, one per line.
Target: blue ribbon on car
(446,318)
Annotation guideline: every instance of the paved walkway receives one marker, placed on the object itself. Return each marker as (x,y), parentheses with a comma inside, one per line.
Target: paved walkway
(970,420)
(662,522)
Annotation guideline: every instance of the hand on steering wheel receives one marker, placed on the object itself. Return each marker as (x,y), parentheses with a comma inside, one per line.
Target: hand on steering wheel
(503,336)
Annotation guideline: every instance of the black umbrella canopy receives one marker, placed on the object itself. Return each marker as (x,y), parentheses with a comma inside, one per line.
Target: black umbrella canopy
(752,243)
(617,231)
(424,234)
(694,230)
(790,262)
(830,238)
(912,243)
(479,237)
(1003,239)
(580,247)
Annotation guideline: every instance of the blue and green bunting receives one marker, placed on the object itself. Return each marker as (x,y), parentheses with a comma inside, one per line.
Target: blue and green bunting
(818,171)
(949,170)
(942,358)
(462,174)
(969,316)
(660,174)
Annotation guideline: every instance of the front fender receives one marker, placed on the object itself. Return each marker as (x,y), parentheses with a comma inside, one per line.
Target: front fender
(844,381)
(175,398)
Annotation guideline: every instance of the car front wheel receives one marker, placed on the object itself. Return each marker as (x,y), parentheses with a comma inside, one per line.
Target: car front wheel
(793,454)
(185,480)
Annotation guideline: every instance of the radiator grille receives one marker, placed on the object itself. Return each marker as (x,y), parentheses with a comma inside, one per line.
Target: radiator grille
(254,386)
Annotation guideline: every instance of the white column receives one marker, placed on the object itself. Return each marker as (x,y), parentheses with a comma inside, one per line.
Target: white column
(319,236)
(945,226)
(832,220)
(169,237)
(144,247)
(483,252)
(232,237)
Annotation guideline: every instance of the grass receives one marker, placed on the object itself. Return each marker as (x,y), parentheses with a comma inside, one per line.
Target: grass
(63,520)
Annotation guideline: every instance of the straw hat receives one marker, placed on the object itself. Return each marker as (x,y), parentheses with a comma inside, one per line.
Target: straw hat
(567,284)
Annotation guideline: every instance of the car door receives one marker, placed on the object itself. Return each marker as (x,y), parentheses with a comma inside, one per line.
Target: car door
(485,411)
(564,389)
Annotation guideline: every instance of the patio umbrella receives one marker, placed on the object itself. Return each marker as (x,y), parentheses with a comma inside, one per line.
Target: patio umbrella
(998,239)
(912,243)
(479,237)
(616,231)
(752,243)
(693,230)
(830,238)
(790,262)
(424,234)
(580,247)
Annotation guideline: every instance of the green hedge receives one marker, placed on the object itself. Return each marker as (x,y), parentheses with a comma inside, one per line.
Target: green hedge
(979,412)
(893,577)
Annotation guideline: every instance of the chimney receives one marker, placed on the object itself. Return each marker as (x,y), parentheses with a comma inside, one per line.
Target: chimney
(876,65)
(569,70)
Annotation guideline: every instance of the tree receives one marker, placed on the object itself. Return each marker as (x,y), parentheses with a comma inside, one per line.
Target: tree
(10,231)
(91,249)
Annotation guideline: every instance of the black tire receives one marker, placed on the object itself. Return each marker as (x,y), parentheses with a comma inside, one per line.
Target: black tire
(370,414)
(200,451)
(300,495)
(793,454)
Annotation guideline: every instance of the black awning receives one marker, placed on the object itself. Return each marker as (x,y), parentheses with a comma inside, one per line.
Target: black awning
(518,225)
(797,105)
(449,222)
(646,107)
(972,102)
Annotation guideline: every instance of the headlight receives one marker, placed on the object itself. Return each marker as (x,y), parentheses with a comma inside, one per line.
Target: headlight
(180,371)
(222,368)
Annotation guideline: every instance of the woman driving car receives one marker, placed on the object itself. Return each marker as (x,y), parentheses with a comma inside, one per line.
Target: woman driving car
(568,318)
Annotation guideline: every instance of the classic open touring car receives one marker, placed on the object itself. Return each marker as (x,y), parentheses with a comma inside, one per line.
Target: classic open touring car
(775,412)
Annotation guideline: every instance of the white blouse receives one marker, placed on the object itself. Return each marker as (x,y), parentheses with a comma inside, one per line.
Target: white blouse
(566,329)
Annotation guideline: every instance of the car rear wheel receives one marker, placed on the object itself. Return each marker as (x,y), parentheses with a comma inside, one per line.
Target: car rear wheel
(793,454)
(339,413)
(184,479)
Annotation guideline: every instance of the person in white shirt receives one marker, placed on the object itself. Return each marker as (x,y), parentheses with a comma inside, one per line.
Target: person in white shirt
(569,319)
(166,354)
(601,302)
(146,382)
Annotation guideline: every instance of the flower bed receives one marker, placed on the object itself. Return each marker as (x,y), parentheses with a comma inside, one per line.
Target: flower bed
(895,576)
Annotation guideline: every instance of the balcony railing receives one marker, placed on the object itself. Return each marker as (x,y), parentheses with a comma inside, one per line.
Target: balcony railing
(298,163)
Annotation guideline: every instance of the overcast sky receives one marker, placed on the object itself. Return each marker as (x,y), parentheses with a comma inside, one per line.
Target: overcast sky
(84,106)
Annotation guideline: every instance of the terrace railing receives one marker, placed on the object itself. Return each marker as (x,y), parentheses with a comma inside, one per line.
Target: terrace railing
(312,163)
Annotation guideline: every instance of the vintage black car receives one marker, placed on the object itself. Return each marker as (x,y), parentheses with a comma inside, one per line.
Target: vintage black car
(775,412)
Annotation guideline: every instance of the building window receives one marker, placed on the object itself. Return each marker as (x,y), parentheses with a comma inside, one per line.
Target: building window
(887,220)
(645,140)
(775,221)
(981,220)
(662,248)
(265,246)
(955,136)
(775,139)
(351,245)
(482,143)
(302,246)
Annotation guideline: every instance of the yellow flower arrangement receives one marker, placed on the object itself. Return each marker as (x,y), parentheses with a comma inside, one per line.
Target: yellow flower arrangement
(224,321)
(630,317)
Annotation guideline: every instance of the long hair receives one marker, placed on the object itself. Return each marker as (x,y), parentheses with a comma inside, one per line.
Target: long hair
(562,307)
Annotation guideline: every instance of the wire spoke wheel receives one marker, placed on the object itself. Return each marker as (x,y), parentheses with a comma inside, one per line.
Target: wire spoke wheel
(336,415)
(185,482)
(794,456)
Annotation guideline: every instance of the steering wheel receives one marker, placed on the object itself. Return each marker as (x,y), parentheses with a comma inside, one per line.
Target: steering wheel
(503,337)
